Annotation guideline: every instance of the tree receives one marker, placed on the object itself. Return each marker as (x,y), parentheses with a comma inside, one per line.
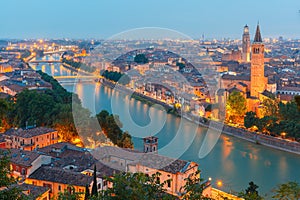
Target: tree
(5,111)
(126,141)
(290,190)
(94,187)
(180,65)
(87,193)
(7,181)
(297,100)
(69,194)
(135,186)
(141,59)
(250,119)
(236,107)
(194,187)
(270,107)
(251,192)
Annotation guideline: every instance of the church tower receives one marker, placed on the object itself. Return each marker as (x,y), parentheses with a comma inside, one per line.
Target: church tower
(150,144)
(258,79)
(246,45)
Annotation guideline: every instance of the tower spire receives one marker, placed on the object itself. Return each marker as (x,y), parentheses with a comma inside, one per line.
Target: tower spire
(257,37)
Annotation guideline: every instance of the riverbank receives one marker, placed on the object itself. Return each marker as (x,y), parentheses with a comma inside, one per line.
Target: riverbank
(259,139)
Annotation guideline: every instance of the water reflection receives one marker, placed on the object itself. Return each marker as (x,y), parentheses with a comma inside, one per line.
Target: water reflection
(234,161)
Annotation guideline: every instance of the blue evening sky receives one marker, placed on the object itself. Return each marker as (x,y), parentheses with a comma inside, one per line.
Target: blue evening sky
(104,18)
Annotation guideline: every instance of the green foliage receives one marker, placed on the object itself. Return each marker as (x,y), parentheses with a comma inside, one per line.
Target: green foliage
(94,187)
(141,59)
(236,106)
(6,181)
(135,186)
(194,187)
(181,65)
(297,100)
(251,192)
(279,118)
(250,119)
(69,194)
(79,65)
(270,107)
(5,111)
(290,190)
(111,126)
(116,77)
(87,193)
(38,108)
(125,141)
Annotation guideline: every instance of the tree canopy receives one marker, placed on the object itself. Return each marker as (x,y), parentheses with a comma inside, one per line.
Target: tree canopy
(141,59)
(236,107)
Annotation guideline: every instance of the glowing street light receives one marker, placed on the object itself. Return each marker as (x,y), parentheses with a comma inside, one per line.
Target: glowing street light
(219,183)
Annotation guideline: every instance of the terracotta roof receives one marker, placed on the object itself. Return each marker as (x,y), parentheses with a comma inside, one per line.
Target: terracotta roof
(28,133)
(58,175)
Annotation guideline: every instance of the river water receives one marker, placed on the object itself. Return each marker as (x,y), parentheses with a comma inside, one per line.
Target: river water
(233,161)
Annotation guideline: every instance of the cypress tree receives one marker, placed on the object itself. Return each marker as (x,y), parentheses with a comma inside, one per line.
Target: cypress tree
(87,192)
(94,188)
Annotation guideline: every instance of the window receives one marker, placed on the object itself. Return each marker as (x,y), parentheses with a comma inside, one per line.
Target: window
(169,183)
(37,139)
(59,187)
(99,186)
(23,171)
(158,180)
(69,189)
(104,183)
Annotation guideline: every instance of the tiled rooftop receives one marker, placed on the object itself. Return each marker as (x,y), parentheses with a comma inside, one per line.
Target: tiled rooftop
(28,133)
(58,175)
(32,191)
(21,157)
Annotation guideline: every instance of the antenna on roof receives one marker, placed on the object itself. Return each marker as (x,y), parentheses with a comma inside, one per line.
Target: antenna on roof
(26,125)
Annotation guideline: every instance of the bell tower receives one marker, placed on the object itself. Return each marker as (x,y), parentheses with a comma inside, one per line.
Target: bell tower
(246,47)
(258,79)
(150,144)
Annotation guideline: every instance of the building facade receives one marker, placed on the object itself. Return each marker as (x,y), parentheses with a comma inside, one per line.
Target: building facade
(31,138)
(246,47)
(258,79)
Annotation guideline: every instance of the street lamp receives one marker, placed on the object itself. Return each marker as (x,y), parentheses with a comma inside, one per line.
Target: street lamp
(219,183)
(283,134)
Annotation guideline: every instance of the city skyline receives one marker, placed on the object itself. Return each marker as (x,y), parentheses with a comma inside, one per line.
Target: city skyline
(100,20)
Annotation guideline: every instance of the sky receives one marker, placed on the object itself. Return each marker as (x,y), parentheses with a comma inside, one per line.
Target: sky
(101,19)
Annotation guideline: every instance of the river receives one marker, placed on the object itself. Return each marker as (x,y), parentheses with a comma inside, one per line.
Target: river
(233,161)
